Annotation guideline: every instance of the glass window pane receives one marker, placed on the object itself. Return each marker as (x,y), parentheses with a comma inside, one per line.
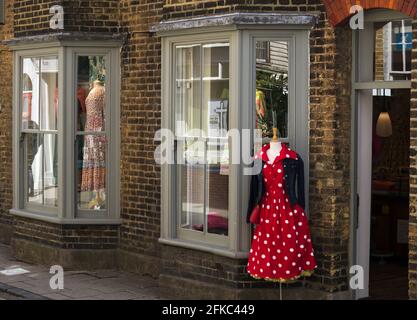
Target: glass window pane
(272,87)
(216,89)
(393,45)
(50,168)
(187,88)
(91,150)
(42,169)
(91,169)
(30,93)
(217,186)
(191,175)
(49,93)
(91,93)
(34,167)
(202,104)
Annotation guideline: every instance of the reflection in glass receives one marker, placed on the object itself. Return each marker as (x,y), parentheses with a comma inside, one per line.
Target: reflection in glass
(217,186)
(30,93)
(192,197)
(188,88)
(91,137)
(41,163)
(216,89)
(205,186)
(272,87)
(49,93)
(393,45)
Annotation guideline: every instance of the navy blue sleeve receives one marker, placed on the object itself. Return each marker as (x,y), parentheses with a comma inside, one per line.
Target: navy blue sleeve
(252,196)
(301,183)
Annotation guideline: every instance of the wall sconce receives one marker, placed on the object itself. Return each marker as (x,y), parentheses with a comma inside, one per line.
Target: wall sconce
(384,123)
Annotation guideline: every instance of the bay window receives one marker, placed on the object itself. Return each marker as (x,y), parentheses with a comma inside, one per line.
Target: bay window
(232,75)
(66,158)
(202,117)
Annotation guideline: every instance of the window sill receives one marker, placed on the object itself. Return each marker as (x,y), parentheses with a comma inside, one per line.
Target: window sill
(56,220)
(205,248)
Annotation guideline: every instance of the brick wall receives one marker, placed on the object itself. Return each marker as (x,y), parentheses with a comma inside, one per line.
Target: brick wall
(6,91)
(32,16)
(92,15)
(330,152)
(174,9)
(379,55)
(66,236)
(140,119)
(213,269)
(413,174)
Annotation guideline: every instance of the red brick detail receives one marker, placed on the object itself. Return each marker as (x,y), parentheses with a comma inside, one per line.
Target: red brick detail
(339,10)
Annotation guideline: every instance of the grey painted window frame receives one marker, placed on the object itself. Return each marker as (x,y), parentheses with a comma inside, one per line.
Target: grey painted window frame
(242,97)
(67,52)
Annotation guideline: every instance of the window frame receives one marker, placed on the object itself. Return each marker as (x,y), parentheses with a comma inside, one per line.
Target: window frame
(175,231)
(403,44)
(67,51)
(183,233)
(242,96)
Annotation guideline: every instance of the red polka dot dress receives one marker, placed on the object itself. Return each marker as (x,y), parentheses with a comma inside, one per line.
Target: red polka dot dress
(281,248)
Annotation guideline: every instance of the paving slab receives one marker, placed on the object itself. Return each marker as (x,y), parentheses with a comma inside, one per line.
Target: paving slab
(78,285)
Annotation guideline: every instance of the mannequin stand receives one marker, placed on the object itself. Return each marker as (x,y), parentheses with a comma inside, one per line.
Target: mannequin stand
(96,202)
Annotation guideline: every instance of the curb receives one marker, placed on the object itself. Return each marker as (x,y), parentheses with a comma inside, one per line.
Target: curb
(20,293)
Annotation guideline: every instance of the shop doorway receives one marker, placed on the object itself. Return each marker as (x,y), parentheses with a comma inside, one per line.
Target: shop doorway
(382,74)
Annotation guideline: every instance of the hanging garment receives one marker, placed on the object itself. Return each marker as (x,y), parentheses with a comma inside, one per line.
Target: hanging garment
(281,248)
(94,159)
(260,108)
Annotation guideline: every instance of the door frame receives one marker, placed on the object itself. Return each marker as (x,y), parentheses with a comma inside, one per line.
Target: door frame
(361,149)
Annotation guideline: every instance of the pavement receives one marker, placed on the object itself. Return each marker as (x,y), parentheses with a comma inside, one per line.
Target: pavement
(78,285)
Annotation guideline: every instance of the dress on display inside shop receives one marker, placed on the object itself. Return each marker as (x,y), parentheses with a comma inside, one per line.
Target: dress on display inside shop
(94,158)
(281,248)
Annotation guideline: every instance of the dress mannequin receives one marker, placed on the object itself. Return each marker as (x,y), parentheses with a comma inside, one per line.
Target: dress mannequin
(275,147)
(94,164)
(282,254)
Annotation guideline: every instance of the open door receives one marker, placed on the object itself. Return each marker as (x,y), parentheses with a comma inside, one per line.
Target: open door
(382,105)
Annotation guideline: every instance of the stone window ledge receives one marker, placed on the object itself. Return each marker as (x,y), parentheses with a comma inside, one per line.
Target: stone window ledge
(56,220)
(59,37)
(204,247)
(238,19)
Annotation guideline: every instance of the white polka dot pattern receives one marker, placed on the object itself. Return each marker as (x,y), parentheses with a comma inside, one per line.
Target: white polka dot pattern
(283,253)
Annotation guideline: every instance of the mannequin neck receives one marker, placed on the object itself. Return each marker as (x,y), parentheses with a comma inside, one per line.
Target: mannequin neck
(274,150)
(275,146)
(98,84)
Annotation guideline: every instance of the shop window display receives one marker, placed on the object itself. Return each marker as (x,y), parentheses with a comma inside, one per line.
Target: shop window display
(91,133)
